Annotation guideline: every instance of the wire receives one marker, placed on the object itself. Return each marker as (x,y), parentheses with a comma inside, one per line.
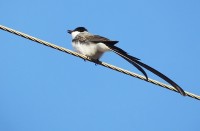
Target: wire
(96,62)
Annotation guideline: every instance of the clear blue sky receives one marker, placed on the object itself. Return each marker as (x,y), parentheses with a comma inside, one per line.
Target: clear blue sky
(42,89)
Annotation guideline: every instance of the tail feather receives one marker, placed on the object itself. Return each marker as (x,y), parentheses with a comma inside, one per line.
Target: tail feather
(164,77)
(129,58)
(135,61)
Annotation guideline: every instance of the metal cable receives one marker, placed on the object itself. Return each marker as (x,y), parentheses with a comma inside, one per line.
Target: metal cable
(97,62)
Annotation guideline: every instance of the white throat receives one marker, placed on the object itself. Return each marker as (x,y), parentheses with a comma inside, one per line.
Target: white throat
(74,34)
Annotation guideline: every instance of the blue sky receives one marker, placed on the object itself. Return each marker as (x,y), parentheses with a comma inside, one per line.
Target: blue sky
(42,89)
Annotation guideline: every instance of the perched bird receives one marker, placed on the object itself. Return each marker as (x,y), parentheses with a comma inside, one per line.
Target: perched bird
(94,46)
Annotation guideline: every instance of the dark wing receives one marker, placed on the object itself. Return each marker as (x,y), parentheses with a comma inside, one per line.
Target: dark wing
(100,39)
(137,64)
(109,43)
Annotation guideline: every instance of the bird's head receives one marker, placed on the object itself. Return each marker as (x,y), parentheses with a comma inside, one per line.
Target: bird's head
(76,31)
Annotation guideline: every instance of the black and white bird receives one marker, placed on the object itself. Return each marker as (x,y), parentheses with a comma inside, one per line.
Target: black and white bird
(94,46)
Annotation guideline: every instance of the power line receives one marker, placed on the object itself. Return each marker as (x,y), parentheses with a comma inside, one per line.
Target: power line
(99,62)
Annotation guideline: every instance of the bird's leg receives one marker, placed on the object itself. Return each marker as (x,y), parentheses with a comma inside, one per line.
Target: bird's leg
(96,61)
(85,59)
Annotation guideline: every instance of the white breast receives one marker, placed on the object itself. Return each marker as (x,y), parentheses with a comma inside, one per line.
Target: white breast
(94,51)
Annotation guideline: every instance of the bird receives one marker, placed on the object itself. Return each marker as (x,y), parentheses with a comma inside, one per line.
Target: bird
(94,46)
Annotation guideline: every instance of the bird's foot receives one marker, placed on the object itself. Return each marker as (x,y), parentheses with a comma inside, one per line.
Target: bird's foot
(96,61)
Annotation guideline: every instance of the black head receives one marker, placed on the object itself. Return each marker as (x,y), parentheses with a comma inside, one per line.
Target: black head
(79,29)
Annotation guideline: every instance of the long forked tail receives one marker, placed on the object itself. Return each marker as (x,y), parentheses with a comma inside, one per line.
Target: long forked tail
(135,61)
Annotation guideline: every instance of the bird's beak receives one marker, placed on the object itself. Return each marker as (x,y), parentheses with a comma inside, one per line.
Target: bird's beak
(69,31)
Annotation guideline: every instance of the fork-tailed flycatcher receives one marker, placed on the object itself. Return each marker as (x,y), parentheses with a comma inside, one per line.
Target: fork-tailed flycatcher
(94,46)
